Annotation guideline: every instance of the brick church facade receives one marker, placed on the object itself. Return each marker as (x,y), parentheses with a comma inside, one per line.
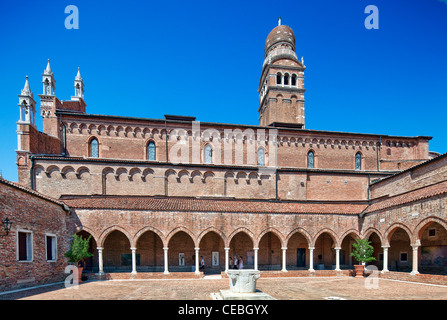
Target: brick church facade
(155,194)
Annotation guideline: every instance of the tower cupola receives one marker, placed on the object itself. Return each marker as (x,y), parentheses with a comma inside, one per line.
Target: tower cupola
(281,87)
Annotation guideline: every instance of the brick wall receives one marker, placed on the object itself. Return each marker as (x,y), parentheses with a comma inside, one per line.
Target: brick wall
(40,217)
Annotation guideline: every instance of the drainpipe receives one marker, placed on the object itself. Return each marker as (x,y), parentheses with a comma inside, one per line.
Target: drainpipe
(65,137)
(369,182)
(31,172)
(166,134)
(276,183)
(377,153)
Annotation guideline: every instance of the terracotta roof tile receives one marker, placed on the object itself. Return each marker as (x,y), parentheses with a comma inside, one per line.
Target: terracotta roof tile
(411,196)
(210,205)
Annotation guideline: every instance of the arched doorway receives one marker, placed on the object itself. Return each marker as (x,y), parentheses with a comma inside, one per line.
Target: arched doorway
(346,261)
(181,252)
(150,252)
(324,253)
(241,245)
(117,254)
(433,252)
(297,252)
(378,251)
(400,253)
(212,249)
(269,252)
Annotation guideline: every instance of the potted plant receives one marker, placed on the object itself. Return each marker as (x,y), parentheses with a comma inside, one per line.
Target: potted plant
(79,250)
(363,251)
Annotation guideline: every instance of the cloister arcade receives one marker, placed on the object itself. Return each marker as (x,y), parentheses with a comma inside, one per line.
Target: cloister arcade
(397,248)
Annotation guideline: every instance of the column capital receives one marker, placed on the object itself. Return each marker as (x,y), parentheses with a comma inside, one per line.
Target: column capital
(99,248)
(283,248)
(227,249)
(255,248)
(196,249)
(337,248)
(165,248)
(311,248)
(385,247)
(133,249)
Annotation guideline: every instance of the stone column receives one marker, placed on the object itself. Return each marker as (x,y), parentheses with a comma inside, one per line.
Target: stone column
(101,271)
(385,259)
(337,259)
(284,249)
(227,258)
(134,260)
(197,260)
(255,256)
(415,259)
(311,259)
(166,260)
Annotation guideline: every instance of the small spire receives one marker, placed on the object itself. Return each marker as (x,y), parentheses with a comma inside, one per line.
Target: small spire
(48,69)
(78,76)
(279,21)
(26,91)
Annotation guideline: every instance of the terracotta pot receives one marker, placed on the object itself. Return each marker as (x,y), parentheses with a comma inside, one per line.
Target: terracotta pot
(80,274)
(359,268)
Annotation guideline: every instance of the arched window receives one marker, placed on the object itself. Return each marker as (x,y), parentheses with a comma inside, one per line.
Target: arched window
(358,161)
(151,151)
(208,154)
(294,80)
(286,79)
(278,78)
(94,148)
(310,160)
(261,157)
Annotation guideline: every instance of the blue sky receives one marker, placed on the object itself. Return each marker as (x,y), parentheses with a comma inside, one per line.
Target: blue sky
(204,59)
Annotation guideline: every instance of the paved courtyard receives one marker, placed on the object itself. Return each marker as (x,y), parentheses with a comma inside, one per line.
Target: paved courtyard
(290,288)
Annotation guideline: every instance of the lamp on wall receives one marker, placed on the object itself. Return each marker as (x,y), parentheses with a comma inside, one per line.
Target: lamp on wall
(7,225)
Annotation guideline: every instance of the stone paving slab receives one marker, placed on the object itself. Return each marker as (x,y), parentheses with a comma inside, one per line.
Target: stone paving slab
(291,288)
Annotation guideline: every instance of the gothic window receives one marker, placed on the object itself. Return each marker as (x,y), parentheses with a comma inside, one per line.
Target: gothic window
(358,161)
(278,78)
(208,154)
(311,160)
(151,151)
(94,148)
(261,157)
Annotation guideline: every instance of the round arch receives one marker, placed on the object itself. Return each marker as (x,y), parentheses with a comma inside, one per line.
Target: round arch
(106,232)
(424,223)
(185,230)
(329,232)
(391,229)
(140,232)
(241,229)
(212,229)
(368,232)
(302,232)
(347,233)
(87,229)
(272,230)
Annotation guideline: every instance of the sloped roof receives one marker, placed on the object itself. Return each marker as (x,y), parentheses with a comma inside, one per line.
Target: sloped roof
(212,205)
(411,196)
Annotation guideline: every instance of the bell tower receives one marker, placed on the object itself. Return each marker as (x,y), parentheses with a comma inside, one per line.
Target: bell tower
(48,103)
(281,87)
